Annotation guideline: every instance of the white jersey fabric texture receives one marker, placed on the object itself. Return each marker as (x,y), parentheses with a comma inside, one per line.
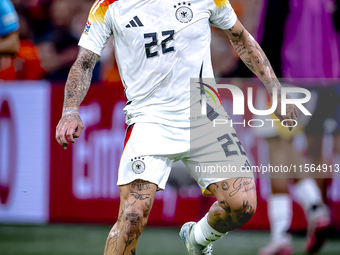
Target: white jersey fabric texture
(159,45)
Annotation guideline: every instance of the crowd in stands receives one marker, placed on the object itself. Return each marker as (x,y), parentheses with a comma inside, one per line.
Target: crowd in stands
(49,33)
(50,30)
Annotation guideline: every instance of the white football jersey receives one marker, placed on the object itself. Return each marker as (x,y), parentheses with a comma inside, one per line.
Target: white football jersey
(159,46)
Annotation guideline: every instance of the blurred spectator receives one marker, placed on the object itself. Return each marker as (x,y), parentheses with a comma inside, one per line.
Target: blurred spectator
(9,40)
(59,48)
(80,17)
(36,12)
(78,22)
(27,64)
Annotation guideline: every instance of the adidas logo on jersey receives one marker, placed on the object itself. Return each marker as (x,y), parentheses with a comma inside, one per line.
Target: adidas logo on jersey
(133,22)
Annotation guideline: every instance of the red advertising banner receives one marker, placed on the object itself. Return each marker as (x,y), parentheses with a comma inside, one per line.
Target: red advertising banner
(82,187)
(83,177)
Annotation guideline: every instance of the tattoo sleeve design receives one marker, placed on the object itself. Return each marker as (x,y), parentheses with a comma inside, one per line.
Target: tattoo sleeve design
(79,79)
(253,56)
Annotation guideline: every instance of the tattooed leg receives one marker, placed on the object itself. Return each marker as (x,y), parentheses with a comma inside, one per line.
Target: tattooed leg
(235,205)
(136,200)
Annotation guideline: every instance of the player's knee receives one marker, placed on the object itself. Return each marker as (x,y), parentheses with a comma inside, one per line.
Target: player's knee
(135,215)
(245,210)
(241,210)
(135,221)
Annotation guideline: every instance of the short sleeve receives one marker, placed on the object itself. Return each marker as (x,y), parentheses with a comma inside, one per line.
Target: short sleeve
(222,15)
(98,28)
(9,21)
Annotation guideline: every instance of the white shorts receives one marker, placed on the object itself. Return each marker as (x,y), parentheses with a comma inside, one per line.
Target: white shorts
(211,154)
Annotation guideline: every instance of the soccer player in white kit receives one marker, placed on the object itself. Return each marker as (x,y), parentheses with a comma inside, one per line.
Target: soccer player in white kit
(159,46)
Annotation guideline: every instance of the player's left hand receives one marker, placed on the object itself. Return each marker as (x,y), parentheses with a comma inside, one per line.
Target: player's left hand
(291,113)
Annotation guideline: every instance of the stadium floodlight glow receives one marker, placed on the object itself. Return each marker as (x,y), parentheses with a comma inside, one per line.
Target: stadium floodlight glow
(238,100)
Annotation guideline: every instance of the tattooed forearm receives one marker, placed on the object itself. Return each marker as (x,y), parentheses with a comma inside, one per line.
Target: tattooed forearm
(79,78)
(255,59)
(252,55)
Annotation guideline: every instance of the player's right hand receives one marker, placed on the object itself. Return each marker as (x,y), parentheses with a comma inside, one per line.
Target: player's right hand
(291,113)
(70,126)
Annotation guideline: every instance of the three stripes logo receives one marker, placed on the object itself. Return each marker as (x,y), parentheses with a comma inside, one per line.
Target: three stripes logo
(135,22)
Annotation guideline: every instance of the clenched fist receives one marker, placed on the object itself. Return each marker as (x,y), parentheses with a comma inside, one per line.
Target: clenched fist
(70,125)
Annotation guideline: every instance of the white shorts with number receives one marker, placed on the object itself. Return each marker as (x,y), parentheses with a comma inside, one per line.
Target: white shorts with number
(210,153)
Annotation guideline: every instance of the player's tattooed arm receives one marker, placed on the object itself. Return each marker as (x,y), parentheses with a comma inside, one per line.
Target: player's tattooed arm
(77,85)
(253,56)
(79,78)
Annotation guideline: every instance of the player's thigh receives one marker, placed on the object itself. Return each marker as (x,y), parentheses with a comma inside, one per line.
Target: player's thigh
(136,200)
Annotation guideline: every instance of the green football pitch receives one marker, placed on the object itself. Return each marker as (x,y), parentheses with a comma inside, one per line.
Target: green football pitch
(63,239)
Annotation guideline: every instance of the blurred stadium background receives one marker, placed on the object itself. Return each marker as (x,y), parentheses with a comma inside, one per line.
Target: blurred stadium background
(64,202)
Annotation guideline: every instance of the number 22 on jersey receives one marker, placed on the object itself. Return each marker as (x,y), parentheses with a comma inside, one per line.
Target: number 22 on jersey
(165,49)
